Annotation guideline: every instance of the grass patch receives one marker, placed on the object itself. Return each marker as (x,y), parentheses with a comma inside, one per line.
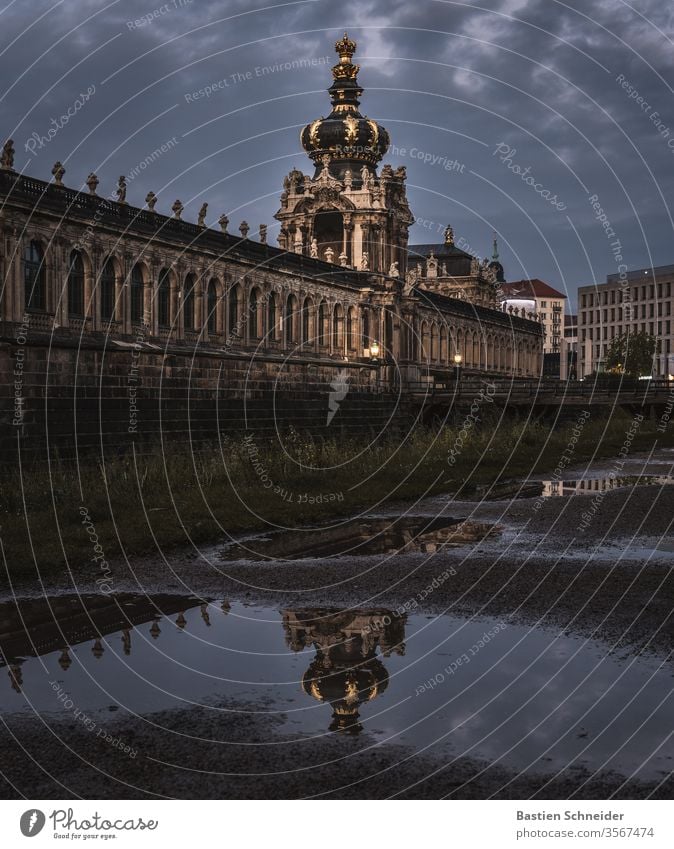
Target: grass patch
(134,505)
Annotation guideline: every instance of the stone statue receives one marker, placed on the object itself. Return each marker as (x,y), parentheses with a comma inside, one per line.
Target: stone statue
(401,172)
(244,229)
(474,266)
(449,235)
(151,200)
(348,179)
(7,158)
(57,173)
(365,176)
(92,183)
(365,262)
(201,219)
(314,248)
(263,234)
(299,243)
(343,260)
(177,209)
(223,221)
(121,190)
(393,270)
(329,254)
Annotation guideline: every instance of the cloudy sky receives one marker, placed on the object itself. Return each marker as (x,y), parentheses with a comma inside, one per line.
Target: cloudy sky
(576,95)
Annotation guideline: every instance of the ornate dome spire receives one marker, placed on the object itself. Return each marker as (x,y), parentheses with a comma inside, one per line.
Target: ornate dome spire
(348,138)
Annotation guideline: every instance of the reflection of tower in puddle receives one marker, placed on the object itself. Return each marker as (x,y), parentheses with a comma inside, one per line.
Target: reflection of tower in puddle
(346,671)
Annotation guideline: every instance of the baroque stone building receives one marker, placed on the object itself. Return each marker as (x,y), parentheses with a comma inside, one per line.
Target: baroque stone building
(343,294)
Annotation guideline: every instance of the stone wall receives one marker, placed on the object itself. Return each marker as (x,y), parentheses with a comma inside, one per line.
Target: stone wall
(78,395)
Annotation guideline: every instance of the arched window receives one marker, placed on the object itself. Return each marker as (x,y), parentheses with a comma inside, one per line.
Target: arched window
(76,285)
(366,329)
(235,310)
(212,306)
(253,309)
(188,302)
(323,324)
(350,328)
(338,328)
(164,298)
(137,292)
(272,318)
(107,287)
(289,323)
(307,309)
(34,277)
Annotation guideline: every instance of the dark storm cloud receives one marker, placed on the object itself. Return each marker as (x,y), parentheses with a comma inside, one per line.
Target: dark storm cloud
(553,86)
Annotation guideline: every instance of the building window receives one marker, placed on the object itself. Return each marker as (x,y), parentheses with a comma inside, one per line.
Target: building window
(188,302)
(76,285)
(323,325)
(164,299)
(212,306)
(306,321)
(137,291)
(108,291)
(34,277)
(272,318)
(253,310)
(291,309)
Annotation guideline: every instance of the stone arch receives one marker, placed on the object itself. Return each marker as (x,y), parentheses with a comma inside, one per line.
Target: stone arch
(290,319)
(443,345)
(34,265)
(139,293)
(235,311)
(323,328)
(214,306)
(255,313)
(352,329)
(338,328)
(109,287)
(308,319)
(189,298)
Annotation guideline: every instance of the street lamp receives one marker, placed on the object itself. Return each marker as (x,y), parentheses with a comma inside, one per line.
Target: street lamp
(458,359)
(374,350)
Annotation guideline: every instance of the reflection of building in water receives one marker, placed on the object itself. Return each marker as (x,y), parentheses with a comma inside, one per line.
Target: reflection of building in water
(33,627)
(588,486)
(346,671)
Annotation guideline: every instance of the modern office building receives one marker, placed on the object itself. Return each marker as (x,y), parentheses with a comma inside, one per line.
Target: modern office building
(633,301)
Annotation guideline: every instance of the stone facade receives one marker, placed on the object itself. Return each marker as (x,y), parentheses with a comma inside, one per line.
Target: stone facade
(84,273)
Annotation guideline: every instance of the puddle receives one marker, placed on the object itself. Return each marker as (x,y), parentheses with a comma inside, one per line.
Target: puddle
(592,485)
(362,537)
(488,689)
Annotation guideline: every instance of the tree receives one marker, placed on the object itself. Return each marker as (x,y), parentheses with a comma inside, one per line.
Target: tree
(631,354)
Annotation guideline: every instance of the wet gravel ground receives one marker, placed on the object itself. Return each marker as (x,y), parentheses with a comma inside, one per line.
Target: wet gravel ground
(612,580)
(211,754)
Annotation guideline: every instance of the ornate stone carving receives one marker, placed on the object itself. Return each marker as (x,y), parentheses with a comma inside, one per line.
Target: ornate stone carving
(151,200)
(314,248)
(57,173)
(121,189)
(343,260)
(223,221)
(393,270)
(329,254)
(365,262)
(449,235)
(7,157)
(244,229)
(177,209)
(201,219)
(92,183)
(263,234)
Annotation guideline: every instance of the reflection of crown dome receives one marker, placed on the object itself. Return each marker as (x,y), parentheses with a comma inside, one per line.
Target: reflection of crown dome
(346,136)
(345,688)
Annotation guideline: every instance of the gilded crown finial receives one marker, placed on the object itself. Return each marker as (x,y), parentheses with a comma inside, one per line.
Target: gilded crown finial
(346,48)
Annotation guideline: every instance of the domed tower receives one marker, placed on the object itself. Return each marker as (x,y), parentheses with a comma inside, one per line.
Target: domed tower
(346,213)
